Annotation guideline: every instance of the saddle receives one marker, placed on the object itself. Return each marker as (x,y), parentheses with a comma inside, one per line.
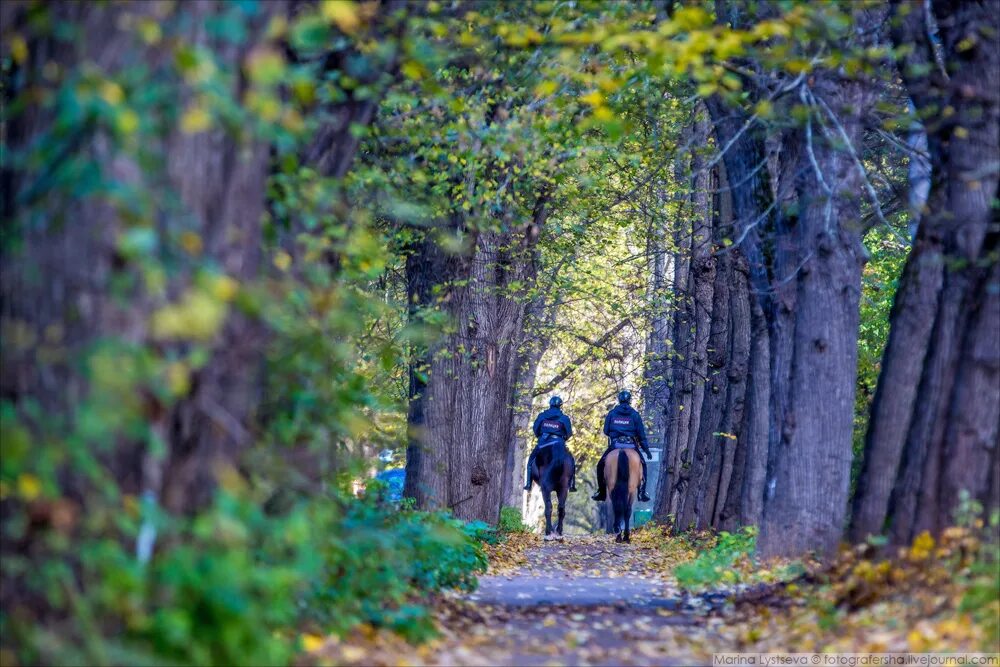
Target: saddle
(550,441)
(624,442)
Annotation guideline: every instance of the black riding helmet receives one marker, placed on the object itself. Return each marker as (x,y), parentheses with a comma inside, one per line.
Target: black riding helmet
(625,396)
(555,402)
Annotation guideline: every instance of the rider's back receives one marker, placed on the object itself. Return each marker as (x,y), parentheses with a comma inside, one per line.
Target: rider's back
(623,421)
(552,423)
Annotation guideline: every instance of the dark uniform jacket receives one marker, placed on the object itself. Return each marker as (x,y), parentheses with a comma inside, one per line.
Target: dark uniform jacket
(624,421)
(552,424)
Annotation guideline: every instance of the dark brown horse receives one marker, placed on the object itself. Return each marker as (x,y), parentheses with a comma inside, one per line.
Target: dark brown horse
(622,473)
(555,466)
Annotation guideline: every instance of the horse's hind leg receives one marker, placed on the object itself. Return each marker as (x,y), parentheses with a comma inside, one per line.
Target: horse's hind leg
(562,510)
(628,521)
(547,497)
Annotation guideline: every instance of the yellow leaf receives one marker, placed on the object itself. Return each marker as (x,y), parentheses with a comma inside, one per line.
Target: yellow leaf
(312,643)
(198,316)
(413,70)
(961,132)
(29,487)
(265,66)
(112,93)
(603,113)
(127,121)
(18,49)
(344,13)
(195,119)
(191,243)
(277,27)
(225,288)
(593,98)
(149,31)
(546,88)
(178,378)
(798,65)
(282,260)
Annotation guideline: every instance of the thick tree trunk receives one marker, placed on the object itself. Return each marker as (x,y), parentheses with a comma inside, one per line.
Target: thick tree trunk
(745,500)
(219,182)
(692,332)
(539,317)
(664,504)
(807,492)
(657,367)
(922,435)
(463,391)
(751,301)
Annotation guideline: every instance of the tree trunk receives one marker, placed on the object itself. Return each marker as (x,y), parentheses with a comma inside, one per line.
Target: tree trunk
(922,435)
(463,391)
(751,301)
(692,332)
(657,367)
(807,492)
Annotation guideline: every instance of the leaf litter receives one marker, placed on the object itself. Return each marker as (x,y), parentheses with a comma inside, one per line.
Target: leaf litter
(865,600)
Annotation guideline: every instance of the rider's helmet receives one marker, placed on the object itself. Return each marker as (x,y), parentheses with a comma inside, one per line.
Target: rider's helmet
(625,396)
(555,402)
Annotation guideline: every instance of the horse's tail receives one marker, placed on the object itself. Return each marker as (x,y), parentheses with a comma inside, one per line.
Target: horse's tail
(620,491)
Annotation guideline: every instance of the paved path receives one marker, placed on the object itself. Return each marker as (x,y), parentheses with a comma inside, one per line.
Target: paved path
(585,600)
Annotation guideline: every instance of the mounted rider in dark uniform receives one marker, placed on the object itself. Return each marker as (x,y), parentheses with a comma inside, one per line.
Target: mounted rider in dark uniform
(550,425)
(623,426)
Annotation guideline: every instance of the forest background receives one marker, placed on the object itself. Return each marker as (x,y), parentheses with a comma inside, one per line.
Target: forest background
(248,247)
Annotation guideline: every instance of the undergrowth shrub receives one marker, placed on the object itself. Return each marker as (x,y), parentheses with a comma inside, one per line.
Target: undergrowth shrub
(511,521)
(981,579)
(232,585)
(376,565)
(715,565)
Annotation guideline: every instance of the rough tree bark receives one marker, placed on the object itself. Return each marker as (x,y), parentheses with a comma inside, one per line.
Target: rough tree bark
(929,439)
(220,183)
(656,368)
(694,280)
(754,214)
(463,390)
(807,489)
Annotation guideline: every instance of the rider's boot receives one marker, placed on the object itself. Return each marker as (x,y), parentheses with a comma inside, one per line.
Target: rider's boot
(572,483)
(643,498)
(531,460)
(600,480)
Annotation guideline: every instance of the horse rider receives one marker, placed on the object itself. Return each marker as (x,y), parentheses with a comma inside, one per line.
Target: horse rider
(624,429)
(550,425)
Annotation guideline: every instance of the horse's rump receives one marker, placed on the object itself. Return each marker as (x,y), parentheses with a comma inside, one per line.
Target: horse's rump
(622,473)
(633,466)
(554,462)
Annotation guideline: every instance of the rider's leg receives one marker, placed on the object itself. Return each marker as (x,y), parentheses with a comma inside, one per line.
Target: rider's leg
(527,477)
(572,479)
(642,485)
(600,477)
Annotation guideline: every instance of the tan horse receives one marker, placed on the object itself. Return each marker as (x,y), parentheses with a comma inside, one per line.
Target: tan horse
(622,474)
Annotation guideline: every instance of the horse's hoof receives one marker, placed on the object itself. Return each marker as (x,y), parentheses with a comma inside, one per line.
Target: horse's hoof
(547,538)
(559,537)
